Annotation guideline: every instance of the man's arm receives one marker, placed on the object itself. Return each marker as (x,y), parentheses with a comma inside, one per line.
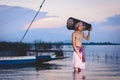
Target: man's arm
(86,37)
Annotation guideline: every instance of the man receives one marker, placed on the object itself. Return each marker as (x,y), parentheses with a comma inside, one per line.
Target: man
(79,54)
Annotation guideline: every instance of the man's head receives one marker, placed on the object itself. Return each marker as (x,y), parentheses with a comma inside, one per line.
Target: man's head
(79,26)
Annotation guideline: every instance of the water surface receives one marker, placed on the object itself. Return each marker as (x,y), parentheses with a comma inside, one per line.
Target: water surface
(103,63)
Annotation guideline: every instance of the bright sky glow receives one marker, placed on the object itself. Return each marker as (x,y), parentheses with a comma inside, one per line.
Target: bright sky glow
(96,12)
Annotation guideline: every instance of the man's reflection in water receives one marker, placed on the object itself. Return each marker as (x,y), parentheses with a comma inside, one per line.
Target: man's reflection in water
(79,75)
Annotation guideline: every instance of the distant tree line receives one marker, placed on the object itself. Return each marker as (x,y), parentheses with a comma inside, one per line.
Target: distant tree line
(15,47)
(46,45)
(22,48)
(94,43)
(101,43)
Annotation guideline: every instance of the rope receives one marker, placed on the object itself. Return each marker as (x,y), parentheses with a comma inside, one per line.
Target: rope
(32,22)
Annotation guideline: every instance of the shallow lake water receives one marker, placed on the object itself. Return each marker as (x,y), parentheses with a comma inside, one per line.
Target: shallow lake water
(103,63)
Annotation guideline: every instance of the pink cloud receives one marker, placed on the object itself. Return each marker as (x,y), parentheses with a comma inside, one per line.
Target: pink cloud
(50,22)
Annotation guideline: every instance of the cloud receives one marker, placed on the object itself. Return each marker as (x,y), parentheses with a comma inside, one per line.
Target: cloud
(111,24)
(10,14)
(112,21)
(14,18)
(49,34)
(107,30)
(48,22)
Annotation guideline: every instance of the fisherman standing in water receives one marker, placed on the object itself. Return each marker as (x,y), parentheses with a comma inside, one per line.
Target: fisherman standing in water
(79,54)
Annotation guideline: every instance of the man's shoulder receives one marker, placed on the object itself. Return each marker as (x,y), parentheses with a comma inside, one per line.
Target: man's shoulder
(74,33)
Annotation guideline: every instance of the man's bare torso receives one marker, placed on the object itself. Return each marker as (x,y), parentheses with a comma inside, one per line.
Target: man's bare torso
(78,38)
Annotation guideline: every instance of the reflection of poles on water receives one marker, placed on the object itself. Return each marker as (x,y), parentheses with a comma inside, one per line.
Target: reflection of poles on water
(112,58)
(79,75)
(117,57)
(107,58)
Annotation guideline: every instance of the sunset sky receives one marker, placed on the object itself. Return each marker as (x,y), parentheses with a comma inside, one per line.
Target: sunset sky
(50,24)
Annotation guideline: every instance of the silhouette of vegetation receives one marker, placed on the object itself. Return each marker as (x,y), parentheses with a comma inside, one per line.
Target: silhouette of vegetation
(94,43)
(21,48)
(46,45)
(101,43)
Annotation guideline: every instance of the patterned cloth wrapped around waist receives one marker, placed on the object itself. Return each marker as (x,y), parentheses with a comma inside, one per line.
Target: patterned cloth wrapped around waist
(82,50)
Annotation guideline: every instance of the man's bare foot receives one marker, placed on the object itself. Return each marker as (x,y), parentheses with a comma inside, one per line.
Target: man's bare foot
(76,70)
(83,77)
(79,70)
